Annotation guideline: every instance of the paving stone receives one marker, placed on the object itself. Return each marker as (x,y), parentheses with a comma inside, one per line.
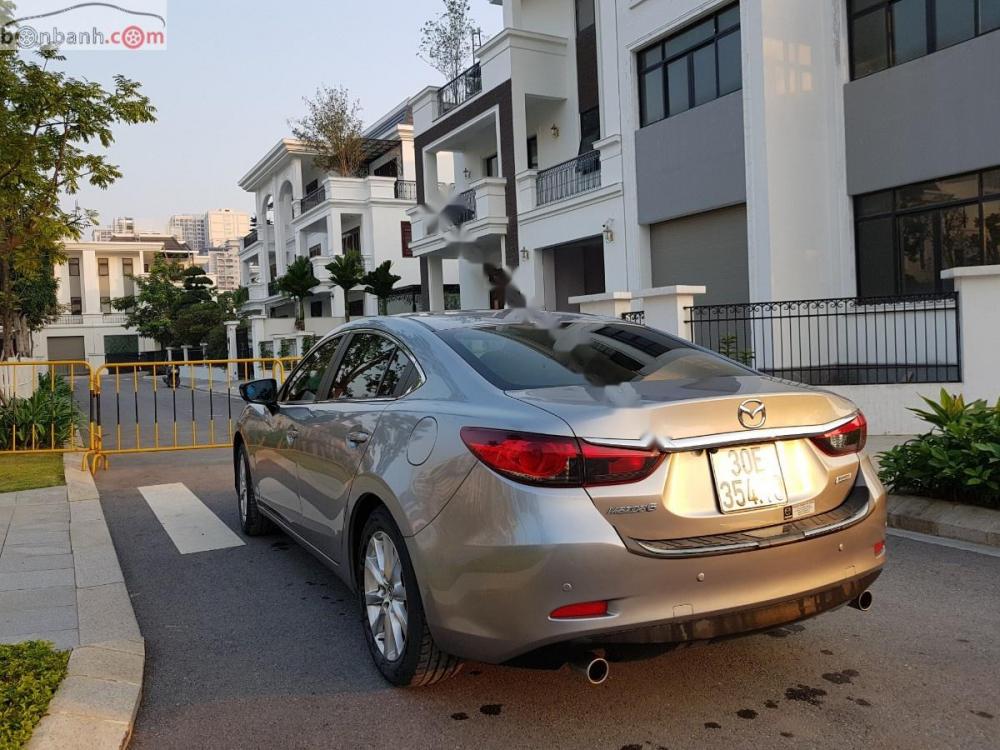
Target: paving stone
(71,732)
(43,496)
(100,699)
(106,664)
(86,510)
(97,566)
(36,579)
(26,599)
(24,621)
(16,562)
(7,499)
(134,646)
(105,613)
(63,548)
(62,639)
(15,537)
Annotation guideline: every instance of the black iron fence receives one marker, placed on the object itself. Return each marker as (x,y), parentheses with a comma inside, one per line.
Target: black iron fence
(250,238)
(578,175)
(460,89)
(311,200)
(843,341)
(406,190)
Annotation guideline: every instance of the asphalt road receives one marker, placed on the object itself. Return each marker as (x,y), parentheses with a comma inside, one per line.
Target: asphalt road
(261,646)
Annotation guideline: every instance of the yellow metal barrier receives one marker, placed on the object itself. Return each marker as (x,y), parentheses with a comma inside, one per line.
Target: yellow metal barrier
(143,407)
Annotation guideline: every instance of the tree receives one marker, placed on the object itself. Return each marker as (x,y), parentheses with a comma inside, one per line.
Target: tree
(52,132)
(380,282)
(297,284)
(346,271)
(446,40)
(332,127)
(197,286)
(154,307)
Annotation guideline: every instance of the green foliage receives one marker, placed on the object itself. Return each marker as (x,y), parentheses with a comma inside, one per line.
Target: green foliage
(959,459)
(30,672)
(332,127)
(380,282)
(151,311)
(346,271)
(45,419)
(266,350)
(52,133)
(446,40)
(297,284)
(728,347)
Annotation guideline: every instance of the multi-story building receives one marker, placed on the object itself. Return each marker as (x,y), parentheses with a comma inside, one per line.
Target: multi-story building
(224,224)
(94,274)
(224,264)
(189,229)
(303,212)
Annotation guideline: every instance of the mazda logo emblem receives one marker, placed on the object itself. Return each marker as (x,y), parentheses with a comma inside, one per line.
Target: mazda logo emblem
(752,414)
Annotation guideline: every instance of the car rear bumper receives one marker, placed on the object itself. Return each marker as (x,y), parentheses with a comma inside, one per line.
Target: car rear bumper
(500,557)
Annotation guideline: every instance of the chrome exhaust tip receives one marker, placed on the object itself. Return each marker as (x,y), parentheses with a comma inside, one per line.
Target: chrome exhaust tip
(593,667)
(863,601)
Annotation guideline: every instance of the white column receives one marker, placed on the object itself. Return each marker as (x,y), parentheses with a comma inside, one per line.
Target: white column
(300,343)
(231,348)
(333,232)
(256,337)
(665,308)
(90,283)
(435,284)
(610,304)
(978,290)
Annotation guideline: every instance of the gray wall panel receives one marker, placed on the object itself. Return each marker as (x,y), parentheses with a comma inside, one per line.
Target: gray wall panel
(692,162)
(931,117)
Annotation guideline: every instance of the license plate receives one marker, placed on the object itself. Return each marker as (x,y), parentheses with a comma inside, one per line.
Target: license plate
(748,477)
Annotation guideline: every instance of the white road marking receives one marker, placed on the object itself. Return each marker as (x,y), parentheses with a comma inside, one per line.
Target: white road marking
(940,541)
(189,523)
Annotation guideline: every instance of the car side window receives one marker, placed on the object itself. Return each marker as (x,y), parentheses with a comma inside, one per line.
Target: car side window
(303,385)
(398,379)
(363,367)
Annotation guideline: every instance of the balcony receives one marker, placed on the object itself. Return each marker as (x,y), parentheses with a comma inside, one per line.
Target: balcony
(257,292)
(69,320)
(311,200)
(459,90)
(480,212)
(115,318)
(578,175)
(250,238)
(406,190)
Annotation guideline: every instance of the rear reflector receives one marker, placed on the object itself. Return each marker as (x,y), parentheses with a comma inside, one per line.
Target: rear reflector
(584,609)
(879,548)
(558,461)
(846,439)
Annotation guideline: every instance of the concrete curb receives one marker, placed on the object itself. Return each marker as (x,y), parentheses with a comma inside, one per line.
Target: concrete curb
(966,523)
(95,706)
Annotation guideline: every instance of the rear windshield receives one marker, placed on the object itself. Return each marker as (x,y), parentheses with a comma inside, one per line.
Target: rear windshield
(516,357)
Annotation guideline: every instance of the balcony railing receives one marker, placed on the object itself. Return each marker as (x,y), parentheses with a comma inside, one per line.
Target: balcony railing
(313,199)
(460,89)
(69,320)
(578,175)
(117,318)
(845,341)
(463,208)
(250,238)
(406,190)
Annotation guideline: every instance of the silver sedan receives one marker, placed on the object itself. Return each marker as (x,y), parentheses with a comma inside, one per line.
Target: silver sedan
(498,486)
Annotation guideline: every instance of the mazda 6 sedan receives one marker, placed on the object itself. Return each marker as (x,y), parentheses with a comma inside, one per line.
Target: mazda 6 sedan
(496,485)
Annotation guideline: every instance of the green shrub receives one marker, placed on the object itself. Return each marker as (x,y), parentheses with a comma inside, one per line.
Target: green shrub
(959,459)
(29,674)
(47,418)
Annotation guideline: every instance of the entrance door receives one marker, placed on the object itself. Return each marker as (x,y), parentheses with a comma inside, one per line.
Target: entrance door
(577,269)
(66,347)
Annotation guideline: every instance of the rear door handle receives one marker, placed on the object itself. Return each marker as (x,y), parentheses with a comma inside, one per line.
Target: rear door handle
(358,437)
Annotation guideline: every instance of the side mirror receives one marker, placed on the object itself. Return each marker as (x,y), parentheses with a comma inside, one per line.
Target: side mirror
(260,392)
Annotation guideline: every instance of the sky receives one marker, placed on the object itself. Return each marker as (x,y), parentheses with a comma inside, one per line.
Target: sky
(233,73)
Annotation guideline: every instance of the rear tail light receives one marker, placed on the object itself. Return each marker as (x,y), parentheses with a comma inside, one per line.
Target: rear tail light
(584,609)
(553,460)
(846,439)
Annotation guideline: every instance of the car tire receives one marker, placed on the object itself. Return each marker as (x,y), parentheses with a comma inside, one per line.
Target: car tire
(419,662)
(252,521)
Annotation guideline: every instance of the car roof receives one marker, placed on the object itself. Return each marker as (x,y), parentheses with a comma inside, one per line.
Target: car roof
(441,321)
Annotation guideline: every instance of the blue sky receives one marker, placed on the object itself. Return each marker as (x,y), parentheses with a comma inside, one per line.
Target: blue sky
(234,72)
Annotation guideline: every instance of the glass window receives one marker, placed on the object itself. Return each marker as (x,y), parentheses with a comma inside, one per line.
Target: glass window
(105,304)
(303,384)
(102,267)
(316,309)
(651,56)
(75,305)
(491,166)
(677,86)
(533,152)
(690,38)
(74,266)
(729,18)
(730,64)
(584,14)
(989,15)
(703,61)
(870,43)
(991,232)
(362,368)
(397,376)
(874,203)
(590,129)
(954,21)
(991,182)
(909,30)
(916,247)
(859,5)
(961,240)
(876,261)
(652,96)
(936,192)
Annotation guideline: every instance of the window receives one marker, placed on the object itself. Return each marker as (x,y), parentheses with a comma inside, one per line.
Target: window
(891,32)
(316,309)
(74,266)
(905,237)
(691,67)
(127,266)
(315,251)
(406,237)
(584,14)
(491,166)
(305,381)
(312,186)
(363,367)
(350,241)
(533,152)
(102,267)
(590,129)
(400,376)
(75,306)
(105,305)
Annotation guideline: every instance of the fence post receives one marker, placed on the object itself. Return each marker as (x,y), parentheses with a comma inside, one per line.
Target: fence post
(978,290)
(664,307)
(231,348)
(256,337)
(610,304)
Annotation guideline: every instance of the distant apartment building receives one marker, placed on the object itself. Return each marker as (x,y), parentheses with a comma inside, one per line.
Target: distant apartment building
(223,225)
(189,229)
(124,225)
(224,265)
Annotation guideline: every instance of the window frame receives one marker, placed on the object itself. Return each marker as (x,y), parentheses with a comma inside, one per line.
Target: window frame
(894,214)
(104,267)
(688,53)
(74,267)
(415,379)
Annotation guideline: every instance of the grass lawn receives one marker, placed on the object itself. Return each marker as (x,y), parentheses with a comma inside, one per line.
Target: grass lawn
(29,675)
(29,471)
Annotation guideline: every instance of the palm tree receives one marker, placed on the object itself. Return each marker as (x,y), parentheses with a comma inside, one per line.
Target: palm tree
(346,271)
(380,283)
(297,284)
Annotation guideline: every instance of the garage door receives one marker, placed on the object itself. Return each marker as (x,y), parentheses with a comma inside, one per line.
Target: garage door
(67,347)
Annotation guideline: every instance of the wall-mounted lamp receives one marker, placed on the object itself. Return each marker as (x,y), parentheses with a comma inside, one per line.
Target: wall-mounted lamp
(524,253)
(555,131)
(609,230)
(467,173)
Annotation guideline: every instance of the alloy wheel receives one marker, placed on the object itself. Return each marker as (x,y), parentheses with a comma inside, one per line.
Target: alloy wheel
(243,492)
(385,596)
